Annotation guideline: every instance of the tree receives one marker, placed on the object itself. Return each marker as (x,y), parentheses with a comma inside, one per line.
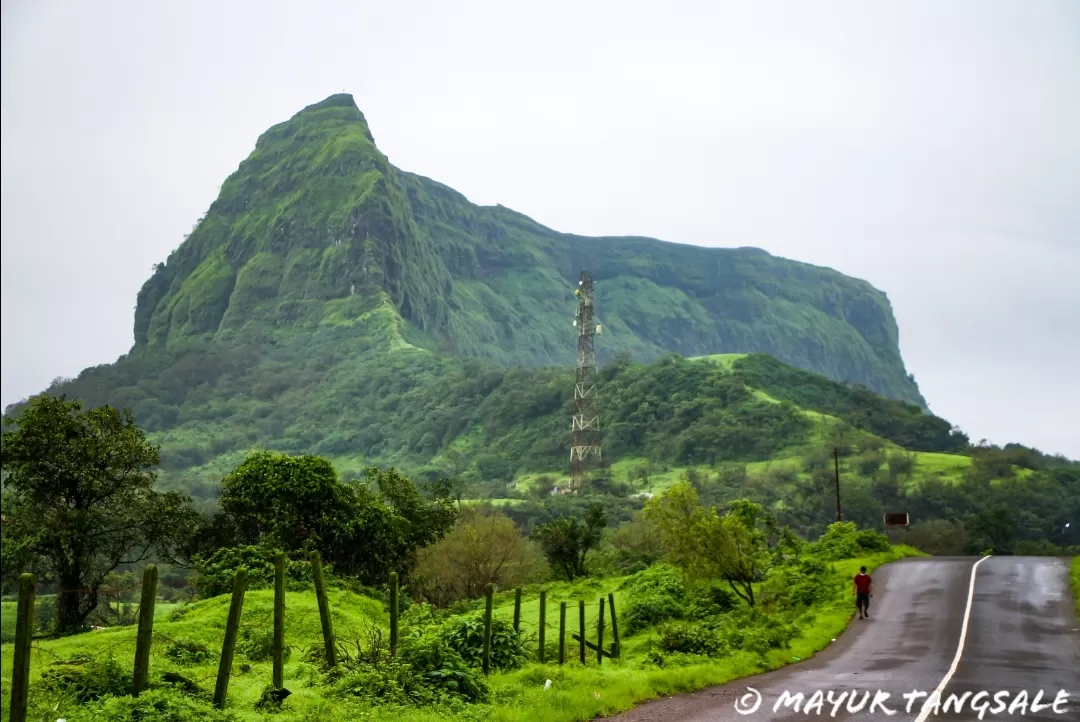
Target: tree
(364,528)
(732,547)
(568,539)
(288,502)
(484,547)
(81,500)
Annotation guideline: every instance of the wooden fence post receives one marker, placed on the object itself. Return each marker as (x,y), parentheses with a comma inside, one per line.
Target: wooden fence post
(600,635)
(581,628)
(228,647)
(489,604)
(146,630)
(517,609)
(24,631)
(543,623)
(279,621)
(562,632)
(324,610)
(615,649)
(393,613)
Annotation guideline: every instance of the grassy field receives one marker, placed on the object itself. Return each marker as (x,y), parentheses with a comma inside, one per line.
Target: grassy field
(577,692)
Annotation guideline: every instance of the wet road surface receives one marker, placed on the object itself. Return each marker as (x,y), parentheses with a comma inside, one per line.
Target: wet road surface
(1021,635)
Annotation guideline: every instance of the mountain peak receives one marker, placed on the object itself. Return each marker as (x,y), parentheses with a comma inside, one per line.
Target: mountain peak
(337,100)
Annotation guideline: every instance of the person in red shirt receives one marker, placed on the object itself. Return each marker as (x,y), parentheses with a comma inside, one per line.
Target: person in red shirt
(864,589)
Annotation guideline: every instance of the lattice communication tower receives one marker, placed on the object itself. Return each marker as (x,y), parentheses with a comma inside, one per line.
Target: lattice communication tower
(585,439)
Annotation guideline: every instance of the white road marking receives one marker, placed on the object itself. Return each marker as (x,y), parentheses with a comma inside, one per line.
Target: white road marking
(959,647)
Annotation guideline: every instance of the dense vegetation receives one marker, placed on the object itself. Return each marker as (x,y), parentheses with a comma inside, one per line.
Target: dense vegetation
(680,619)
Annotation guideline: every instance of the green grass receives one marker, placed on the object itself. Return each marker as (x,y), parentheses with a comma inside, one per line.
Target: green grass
(577,692)
(724,360)
(947,466)
(204,621)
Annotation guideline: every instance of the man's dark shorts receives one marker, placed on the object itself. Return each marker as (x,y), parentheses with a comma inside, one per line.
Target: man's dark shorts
(862,601)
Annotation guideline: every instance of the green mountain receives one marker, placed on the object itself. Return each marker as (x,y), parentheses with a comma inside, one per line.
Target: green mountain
(316,230)
(329,303)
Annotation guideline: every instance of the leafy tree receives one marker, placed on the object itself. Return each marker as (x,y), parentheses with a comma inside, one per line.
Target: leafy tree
(364,529)
(484,547)
(568,539)
(732,547)
(81,499)
(285,501)
(992,528)
(636,545)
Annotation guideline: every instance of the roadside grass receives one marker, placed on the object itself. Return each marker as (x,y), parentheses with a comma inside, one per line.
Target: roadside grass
(578,692)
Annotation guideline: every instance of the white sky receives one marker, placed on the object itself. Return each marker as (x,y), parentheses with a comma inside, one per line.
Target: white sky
(931,148)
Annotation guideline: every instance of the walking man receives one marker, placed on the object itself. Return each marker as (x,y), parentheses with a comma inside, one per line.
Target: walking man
(864,589)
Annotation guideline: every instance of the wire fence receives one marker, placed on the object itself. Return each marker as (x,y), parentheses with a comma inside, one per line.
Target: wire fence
(308,622)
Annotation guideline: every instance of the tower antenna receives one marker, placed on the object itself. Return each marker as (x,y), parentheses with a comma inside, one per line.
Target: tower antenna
(585,438)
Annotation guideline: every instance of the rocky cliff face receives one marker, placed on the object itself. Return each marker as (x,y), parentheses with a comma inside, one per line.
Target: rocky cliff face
(317,229)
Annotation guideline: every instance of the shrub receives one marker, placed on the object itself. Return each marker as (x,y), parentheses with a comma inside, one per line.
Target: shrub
(392,683)
(901,464)
(257,644)
(799,585)
(159,705)
(688,638)
(844,541)
(214,575)
(761,638)
(465,636)
(646,609)
(870,462)
(710,600)
(438,665)
(872,541)
(660,578)
(187,653)
(655,595)
(87,680)
(45,614)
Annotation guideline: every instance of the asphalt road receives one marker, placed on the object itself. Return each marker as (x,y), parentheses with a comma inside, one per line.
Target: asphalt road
(1021,635)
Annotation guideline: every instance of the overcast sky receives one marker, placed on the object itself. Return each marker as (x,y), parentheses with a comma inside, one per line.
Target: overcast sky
(932,148)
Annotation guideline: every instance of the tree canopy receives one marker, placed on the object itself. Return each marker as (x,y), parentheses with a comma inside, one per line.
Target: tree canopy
(79,499)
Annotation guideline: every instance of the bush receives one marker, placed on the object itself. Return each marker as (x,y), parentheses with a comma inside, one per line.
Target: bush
(87,680)
(688,638)
(466,637)
(710,600)
(438,665)
(214,575)
(655,595)
(159,705)
(901,464)
(869,540)
(257,644)
(844,541)
(646,609)
(45,613)
(870,462)
(392,683)
(760,638)
(800,585)
(186,653)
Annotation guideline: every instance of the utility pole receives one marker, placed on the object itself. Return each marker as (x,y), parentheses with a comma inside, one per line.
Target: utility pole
(836,466)
(585,426)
